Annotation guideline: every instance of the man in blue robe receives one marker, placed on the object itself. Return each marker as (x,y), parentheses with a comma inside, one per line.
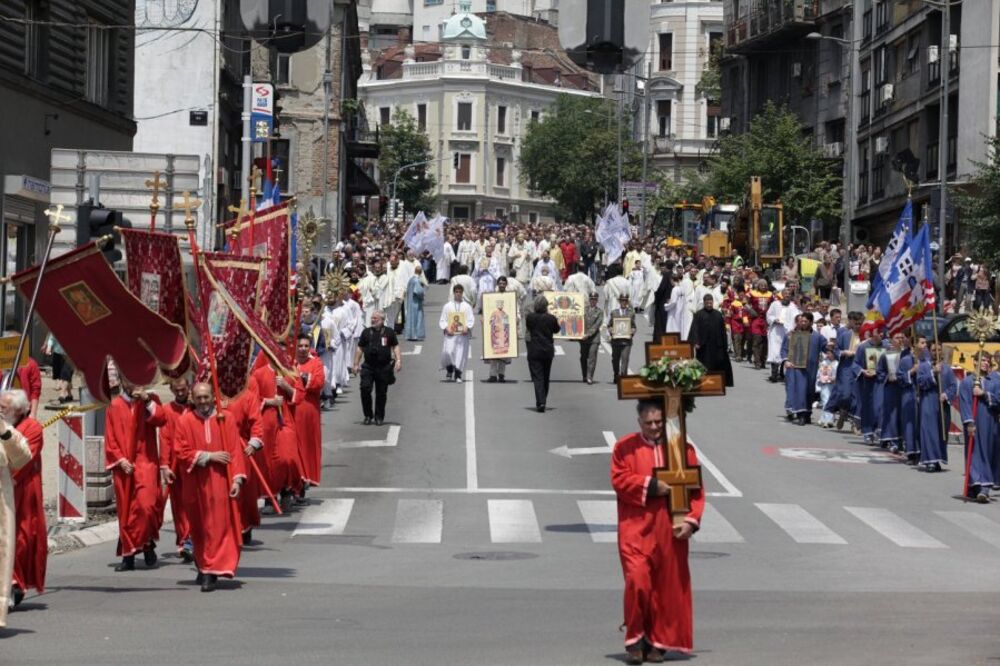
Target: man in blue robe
(937,387)
(868,408)
(891,381)
(979,432)
(842,397)
(413,327)
(908,416)
(800,382)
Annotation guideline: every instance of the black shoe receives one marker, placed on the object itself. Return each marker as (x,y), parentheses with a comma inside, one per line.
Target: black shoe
(66,399)
(187,557)
(378,421)
(18,595)
(285,501)
(540,408)
(491,380)
(127,564)
(208,583)
(248,535)
(149,556)
(501,379)
(368,420)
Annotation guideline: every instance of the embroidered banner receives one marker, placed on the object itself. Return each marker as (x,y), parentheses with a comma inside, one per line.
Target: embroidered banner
(270,239)
(94,316)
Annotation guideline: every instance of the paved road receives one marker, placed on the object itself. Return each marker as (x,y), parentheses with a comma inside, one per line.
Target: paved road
(454,534)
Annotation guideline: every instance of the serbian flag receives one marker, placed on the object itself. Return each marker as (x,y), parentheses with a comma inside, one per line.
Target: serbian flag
(912,292)
(241,307)
(94,317)
(231,342)
(271,240)
(414,236)
(902,235)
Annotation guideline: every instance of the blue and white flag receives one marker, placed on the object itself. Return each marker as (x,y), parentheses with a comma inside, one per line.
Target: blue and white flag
(902,235)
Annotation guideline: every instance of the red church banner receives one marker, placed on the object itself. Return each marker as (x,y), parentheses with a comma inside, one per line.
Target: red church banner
(231,341)
(94,317)
(270,238)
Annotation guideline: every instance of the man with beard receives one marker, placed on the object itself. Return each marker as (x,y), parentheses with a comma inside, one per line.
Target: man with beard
(708,335)
(170,472)
(32,550)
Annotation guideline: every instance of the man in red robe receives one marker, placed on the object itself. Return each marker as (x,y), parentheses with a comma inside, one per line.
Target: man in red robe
(278,434)
(305,397)
(32,545)
(213,468)
(170,474)
(245,413)
(653,552)
(28,378)
(130,451)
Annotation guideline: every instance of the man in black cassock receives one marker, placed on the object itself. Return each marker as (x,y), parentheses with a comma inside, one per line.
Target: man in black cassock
(708,335)
(662,297)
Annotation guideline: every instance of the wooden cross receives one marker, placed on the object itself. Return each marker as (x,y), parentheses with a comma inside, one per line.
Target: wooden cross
(188,206)
(681,478)
(56,217)
(155,184)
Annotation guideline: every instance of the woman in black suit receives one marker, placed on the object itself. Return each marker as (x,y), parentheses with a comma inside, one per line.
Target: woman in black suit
(540,327)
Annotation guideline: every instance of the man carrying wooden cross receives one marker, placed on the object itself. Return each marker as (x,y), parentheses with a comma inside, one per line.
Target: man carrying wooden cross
(652,543)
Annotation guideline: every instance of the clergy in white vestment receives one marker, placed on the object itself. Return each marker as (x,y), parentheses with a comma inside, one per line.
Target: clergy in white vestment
(781,316)
(580,282)
(541,283)
(485,282)
(342,354)
(327,346)
(469,289)
(521,254)
(614,287)
(369,295)
(679,314)
(356,322)
(14,454)
(637,285)
(553,270)
(500,251)
(457,321)
(443,263)
(397,271)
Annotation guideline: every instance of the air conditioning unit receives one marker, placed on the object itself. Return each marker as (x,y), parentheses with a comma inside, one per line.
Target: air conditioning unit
(724,123)
(833,150)
(886,93)
(796,69)
(952,42)
(881,144)
(933,54)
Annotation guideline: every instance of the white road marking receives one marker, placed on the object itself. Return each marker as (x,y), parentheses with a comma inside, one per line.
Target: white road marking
(975,524)
(391,439)
(471,473)
(716,529)
(459,491)
(801,525)
(418,521)
(894,528)
(566,452)
(731,490)
(328,518)
(415,351)
(513,521)
(609,439)
(560,351)
(601,517)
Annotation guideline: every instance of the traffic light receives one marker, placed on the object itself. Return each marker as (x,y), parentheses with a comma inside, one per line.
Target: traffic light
(94,222)
(624,206)
(276,118)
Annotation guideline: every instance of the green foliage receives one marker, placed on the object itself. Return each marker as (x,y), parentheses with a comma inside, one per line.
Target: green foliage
(710,84)
(682,374)
(790,167)
(571,155)
(980,206)
(402,143)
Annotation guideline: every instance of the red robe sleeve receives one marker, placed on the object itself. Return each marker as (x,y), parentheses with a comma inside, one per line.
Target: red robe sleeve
(35,436)
(630,486)
(31,380)
(167,439)
(115,426)
(237,466)
(315,377)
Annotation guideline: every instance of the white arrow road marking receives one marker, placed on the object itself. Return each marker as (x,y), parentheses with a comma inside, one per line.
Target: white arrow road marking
(560,351)
(415,351)
(391,439)
(566,452)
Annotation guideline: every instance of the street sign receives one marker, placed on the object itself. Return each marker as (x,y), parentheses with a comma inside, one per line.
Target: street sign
(634,189)
(262,112)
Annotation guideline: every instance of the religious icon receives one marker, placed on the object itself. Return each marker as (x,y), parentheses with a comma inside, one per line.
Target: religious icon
(149,291)
(87,306)
(260,249)
(798,349)
(621,328)
(218,315)
(872,355)
(500,321)
(456,322)
(892,362)
(567,307)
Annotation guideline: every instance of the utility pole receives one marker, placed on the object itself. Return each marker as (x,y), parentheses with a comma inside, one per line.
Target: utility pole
(945,60)
(645,147)
(621,95)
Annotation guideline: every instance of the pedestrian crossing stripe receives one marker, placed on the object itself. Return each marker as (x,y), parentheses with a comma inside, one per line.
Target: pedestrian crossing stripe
(515,521)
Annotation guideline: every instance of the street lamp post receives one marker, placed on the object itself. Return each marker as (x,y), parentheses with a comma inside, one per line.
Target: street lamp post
(945,59)
(395,178)
(850,136)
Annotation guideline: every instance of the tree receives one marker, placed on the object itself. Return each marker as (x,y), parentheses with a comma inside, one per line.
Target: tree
(402,143)
(571,155)
(791,168)
(980,206)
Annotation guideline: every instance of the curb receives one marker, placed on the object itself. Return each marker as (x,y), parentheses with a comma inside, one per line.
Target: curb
(93,535)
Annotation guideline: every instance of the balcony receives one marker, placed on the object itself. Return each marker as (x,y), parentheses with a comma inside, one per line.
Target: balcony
(361,141)
(772,22)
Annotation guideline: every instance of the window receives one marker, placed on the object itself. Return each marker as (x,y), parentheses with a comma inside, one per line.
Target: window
(534,116)
(835,131)
(501,172)
(35,38)
(383,114)
(714,42)
(426,33)
(500,213)
(666,51)
(464,172)
(466,52)
(881,16)
(532,218)
(913,55)
(280,155)
(878,177)
(863,177)
(99,64)
(712,127)
(283,69)
(465,116)
(460,212)
(864,99)
(422,117)
(881,65)
(663,117)
(501,120)
(491,5)
(431,3)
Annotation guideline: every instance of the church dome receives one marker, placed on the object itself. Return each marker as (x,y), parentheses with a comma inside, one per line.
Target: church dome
(464,25)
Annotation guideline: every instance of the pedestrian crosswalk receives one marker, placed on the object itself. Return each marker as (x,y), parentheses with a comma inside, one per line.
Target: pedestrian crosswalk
(474,519)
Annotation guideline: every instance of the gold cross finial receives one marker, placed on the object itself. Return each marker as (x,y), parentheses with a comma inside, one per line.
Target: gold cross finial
(188,206)
(155,184)
(240,211)
(56,217)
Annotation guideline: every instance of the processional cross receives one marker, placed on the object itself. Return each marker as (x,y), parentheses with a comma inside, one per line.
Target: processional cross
(155,184)
(681,478)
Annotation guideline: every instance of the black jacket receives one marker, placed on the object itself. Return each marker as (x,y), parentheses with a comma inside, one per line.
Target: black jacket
(541,326)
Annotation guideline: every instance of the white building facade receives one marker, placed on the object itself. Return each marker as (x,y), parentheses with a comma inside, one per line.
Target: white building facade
(476,108)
